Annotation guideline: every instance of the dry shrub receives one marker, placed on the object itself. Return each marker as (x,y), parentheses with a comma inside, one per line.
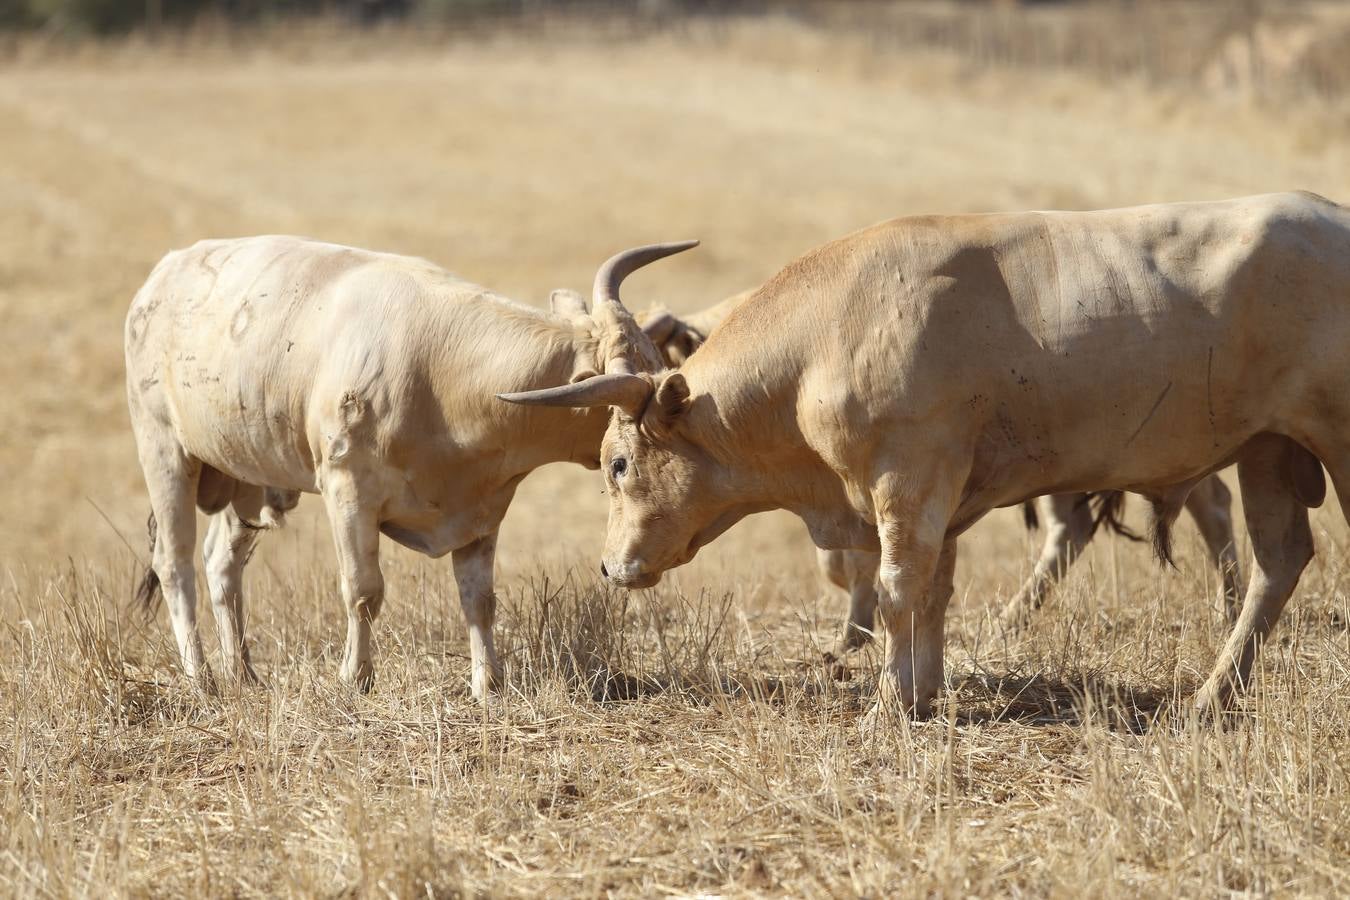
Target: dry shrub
(617,645)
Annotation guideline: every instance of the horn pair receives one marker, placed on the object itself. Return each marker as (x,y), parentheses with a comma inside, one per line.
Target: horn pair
(619,386)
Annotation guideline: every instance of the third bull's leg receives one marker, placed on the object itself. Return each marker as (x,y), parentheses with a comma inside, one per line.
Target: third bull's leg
(1282,545)
(1211,507)
(1068,528)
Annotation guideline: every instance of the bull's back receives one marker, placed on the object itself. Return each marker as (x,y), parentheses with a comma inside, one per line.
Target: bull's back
(1150,344)
(1133,347)
(1081,348)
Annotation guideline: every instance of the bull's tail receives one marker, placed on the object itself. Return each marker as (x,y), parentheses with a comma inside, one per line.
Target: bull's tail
(1029,515)
(1107,508)
(148,592)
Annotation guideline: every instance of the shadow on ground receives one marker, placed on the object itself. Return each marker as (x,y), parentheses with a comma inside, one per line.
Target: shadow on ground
(979,697)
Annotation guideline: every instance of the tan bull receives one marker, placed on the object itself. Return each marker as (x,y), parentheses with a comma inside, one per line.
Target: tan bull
(1071,520)
(892,387)
(366,378)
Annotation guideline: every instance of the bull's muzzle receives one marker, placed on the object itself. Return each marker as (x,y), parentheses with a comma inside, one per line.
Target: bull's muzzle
(629,575)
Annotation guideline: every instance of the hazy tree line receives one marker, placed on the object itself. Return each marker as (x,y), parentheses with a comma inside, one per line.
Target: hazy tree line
(117,16)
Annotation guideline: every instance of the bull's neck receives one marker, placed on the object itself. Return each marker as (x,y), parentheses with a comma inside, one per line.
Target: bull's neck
(562,434)
(747,421)
(529,352)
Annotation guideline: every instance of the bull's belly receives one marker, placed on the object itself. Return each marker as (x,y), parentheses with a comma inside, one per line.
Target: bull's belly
(1108,463)
(238,411)
(465,508)
(251,446)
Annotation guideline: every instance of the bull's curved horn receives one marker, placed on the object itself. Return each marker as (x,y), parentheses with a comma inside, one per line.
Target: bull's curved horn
(621,265)
(629,393)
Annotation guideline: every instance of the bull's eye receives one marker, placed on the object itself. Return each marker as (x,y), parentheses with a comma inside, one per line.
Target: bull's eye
(617,467)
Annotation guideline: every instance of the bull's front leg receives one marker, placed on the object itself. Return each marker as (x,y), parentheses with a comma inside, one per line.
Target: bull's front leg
(856,572)
(473,575)
(356,533)
(917,563)
(916,587)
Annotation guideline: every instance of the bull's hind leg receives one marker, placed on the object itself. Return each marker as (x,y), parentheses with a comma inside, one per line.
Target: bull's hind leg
(856,572)
(1211,506)
(356,535)
(171,477)
(1282,544)
(230,540)
(473,575)
(1068,528)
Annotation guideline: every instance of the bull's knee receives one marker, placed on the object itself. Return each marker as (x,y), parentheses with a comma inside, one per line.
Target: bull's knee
(363,606)
(902,602)
(364,590)
(1299,548)
(369,604)
(479,609)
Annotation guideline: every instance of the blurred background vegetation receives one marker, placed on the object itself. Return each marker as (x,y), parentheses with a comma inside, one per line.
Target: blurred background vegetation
(1271,48)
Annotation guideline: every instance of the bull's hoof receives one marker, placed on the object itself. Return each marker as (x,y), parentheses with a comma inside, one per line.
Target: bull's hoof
(487,681)
(361,676)
(855,638)
(884,717)
(834,667)
(1015,616)
(204,682)
(241,674)
(1212,701)
(890,710)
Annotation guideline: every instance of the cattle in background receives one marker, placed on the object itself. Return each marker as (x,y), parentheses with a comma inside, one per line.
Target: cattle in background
(363,377)
(892,387)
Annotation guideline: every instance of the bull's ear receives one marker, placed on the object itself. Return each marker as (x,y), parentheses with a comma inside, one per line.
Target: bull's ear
(689,342)
(629,393)
(672,397)
(659,326)
(567,303)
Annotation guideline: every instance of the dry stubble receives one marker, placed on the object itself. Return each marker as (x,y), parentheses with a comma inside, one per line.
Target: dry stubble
(681,740)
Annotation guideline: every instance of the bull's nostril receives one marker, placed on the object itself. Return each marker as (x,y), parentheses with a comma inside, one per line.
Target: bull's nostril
(604,573)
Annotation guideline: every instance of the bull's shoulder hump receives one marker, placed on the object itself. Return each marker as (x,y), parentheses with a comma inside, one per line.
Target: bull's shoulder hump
(256,250)
(974,226)
(314,266)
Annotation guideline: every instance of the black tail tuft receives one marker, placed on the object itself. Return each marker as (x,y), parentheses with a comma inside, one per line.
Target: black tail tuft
(1162,539)
(1029,516)
(1107,509)
(148,592)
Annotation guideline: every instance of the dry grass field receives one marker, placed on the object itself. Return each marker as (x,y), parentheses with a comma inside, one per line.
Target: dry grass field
(686,740)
